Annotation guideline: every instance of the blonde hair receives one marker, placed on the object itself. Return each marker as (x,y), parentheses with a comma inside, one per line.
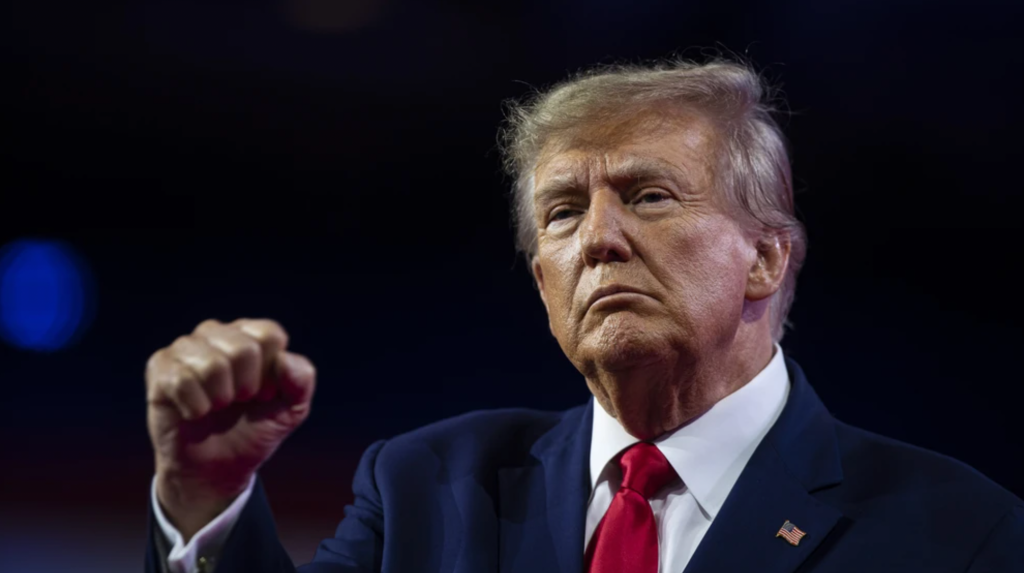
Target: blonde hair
(753,166)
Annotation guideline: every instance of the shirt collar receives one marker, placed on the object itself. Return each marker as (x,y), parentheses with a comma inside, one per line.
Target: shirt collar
(711,451)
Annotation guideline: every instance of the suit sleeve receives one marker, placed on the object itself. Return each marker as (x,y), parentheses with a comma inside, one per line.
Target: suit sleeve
(253,545)
(1003,550)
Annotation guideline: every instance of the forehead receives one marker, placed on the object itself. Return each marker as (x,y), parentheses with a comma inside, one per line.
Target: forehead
(682,145)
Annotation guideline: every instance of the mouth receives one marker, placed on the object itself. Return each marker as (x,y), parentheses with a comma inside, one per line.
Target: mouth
(609,290)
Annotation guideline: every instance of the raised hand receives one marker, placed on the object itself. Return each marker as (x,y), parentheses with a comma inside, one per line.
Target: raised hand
(220,402)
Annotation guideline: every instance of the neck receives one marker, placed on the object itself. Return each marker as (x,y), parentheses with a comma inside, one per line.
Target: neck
(661,395)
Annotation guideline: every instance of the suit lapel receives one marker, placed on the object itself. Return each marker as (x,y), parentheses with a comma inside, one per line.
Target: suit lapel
(543,503)
(797,457)
(743,535)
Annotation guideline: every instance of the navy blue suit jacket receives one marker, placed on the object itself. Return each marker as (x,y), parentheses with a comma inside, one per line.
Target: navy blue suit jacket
(506,491)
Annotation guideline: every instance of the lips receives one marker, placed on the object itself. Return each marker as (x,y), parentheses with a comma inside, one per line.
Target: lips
(603,291)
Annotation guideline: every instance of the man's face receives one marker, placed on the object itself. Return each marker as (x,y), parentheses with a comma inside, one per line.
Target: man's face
(638,213)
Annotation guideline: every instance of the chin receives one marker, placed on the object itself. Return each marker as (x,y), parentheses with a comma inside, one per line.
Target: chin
(625,340)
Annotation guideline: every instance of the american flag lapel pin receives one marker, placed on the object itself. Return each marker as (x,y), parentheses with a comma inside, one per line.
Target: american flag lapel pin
(790,533)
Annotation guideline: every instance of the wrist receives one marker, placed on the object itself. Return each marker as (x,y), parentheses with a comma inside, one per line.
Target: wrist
(190,502)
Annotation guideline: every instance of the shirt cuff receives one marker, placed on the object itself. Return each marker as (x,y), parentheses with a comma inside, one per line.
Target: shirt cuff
(199,554)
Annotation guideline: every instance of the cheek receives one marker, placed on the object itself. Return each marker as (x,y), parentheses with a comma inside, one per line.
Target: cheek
(705,269)
(559,284)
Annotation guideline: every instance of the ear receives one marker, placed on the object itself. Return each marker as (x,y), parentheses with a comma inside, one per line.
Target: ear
(769,269)
(538,277)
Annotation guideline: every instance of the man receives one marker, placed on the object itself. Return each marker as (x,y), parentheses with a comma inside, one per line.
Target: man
(655,208)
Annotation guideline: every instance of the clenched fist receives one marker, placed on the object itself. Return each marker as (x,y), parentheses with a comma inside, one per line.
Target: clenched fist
(220,401)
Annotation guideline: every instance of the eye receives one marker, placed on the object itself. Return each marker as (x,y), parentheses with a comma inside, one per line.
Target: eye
(652,196)
(562,214)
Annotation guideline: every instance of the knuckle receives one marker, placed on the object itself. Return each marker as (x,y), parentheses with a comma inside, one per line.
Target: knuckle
(153,360)
(248,366)
(154,363)
(267,323)
(177,387)
(242,349)
(182,345)
(212,365)
(249,347)
(265,330)
(304,366)
(207,325)
(221,364)
(158,377)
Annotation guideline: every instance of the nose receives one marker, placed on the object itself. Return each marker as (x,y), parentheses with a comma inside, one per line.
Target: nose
(603,232)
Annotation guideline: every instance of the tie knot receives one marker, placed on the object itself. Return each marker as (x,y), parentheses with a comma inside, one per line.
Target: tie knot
(645,469)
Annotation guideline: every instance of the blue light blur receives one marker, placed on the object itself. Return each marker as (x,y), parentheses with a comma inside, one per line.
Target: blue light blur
(45,295)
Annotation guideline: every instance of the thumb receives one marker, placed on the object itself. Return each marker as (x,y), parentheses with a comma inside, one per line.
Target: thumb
(296,378)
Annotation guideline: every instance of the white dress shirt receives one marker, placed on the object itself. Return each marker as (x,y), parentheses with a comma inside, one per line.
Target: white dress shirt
(708,453)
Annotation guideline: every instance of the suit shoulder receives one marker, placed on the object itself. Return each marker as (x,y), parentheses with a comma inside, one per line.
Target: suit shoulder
(877,467)
(481,438)
(486,423)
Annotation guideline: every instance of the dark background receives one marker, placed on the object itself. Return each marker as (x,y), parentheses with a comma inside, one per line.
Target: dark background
(332,165)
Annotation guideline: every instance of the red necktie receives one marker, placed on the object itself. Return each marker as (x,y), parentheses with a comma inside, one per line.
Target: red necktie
(626,540)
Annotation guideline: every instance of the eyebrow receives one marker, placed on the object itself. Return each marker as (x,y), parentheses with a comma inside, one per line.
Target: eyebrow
(631,168)
(558,184)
